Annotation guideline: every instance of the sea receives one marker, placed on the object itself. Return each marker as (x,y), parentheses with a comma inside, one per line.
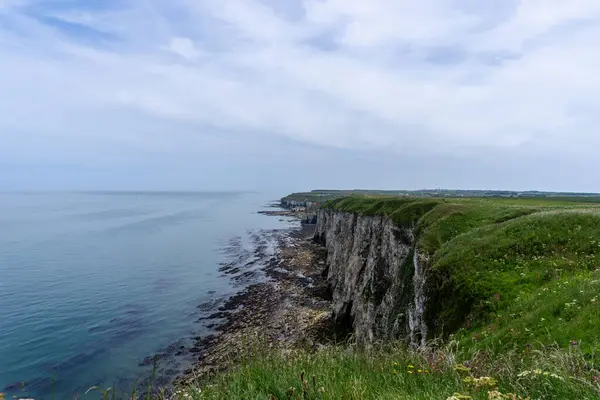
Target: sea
(96,286)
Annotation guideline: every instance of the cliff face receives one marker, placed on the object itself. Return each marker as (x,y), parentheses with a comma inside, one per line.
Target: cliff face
(375,274)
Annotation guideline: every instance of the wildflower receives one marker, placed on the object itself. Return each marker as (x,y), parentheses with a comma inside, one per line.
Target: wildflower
(420,370)
(411,366)
(462,369)
(484,381)
(573,342)
(540,372)
(395,363)
(596,378)
(394,371)
(410,372)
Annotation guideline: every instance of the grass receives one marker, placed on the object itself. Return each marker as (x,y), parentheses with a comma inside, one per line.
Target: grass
(405,211)
(391,372)
(564,313)
(500,270)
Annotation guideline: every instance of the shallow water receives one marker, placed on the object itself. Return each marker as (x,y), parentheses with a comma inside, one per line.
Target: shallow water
(94,284)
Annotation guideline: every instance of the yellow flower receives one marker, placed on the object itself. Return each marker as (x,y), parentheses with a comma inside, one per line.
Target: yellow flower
(410,372)
(396,363)
(419,371)
(411,366)
(484,381)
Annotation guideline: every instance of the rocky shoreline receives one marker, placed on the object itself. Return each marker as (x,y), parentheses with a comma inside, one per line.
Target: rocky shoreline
(290,308)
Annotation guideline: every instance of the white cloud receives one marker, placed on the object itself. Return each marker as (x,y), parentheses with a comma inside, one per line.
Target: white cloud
(185,47)
(351,74)
(383,22)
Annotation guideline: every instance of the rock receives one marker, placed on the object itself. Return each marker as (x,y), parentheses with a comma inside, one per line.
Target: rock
(279,310)
(367,258)
(14,386)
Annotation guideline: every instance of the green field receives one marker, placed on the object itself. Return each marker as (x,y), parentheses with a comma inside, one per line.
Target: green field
(323,195)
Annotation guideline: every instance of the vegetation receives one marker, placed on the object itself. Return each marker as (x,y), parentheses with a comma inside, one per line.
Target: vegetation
(392,372)
(321,195)
(532,278)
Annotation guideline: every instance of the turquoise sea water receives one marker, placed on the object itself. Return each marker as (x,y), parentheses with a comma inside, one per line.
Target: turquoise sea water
(93,284)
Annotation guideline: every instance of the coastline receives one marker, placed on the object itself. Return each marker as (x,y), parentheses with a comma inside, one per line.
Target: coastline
(291,307)
(273,282)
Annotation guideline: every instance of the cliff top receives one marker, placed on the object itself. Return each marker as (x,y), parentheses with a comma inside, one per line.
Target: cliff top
(504,272)
(322,195)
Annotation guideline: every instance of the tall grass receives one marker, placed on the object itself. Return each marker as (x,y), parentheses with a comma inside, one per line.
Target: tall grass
(389,371)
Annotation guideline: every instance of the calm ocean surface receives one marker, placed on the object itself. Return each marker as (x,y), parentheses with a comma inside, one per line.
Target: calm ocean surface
(91,284)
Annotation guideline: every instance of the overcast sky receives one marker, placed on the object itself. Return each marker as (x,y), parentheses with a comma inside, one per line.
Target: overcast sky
(299,94)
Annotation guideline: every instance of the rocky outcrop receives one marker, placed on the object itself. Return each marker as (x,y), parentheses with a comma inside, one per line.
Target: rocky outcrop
(309,220)
(376,276)
(286,203)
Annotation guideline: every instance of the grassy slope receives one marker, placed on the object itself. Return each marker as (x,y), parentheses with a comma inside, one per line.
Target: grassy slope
(506,277)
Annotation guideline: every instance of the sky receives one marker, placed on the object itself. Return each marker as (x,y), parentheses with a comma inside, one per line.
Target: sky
(299,94)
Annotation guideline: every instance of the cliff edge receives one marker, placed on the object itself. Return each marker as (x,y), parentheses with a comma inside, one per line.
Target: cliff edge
(418,269)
